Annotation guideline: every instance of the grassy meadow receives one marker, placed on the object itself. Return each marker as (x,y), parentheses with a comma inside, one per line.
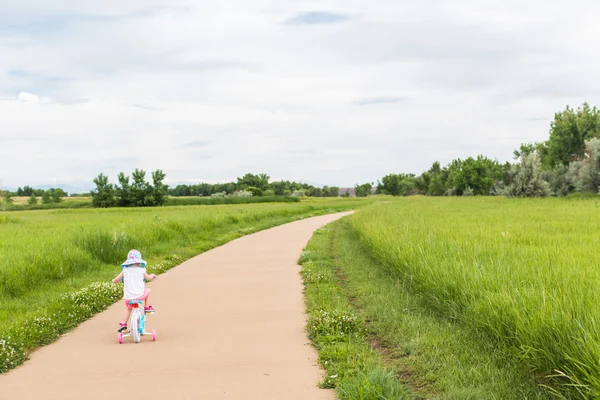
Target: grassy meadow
(47,256)
(22,203)
(377,340)
(519,277)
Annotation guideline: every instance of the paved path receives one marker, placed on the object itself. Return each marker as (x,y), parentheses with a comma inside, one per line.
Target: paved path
(230,325)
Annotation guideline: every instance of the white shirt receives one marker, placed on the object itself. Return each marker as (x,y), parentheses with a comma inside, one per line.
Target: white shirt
(134,284)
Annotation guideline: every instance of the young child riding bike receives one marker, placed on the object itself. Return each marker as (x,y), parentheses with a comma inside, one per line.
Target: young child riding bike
(134,277)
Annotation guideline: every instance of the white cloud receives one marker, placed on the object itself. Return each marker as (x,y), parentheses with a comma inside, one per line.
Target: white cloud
(32,98)
(212,90)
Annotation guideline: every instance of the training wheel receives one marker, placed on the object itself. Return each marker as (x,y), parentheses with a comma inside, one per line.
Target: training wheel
(120,337)
(154,335)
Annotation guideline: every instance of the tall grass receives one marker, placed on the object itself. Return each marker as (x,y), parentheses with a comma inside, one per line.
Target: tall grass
(210,201)
(67,202)
(524,273)
(47,256)
(86,202)
(353,369)
(43,249)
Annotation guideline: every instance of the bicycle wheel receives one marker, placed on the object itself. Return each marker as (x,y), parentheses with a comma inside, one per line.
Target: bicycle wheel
(135,323)
(142,324)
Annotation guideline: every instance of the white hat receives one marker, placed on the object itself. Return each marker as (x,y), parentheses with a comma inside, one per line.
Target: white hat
(134,257)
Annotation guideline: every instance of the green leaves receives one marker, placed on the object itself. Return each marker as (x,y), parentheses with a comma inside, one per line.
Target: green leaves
(138,193)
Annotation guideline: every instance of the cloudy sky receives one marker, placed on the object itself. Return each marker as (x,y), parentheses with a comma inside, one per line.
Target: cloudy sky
(330,92)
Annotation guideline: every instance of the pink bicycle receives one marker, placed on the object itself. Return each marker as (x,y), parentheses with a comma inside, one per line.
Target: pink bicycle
(137,323)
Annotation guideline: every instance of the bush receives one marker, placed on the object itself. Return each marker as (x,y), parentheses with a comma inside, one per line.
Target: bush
(254,191)
(585,174)
(242,193)
(206,201)
(526,178)
(299,193)
(559,180)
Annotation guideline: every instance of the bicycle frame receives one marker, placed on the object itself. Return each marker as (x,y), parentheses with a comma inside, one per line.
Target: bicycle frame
(137,323)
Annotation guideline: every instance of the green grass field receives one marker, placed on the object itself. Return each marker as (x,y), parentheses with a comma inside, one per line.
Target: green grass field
(519,277)
(377,340)
(21,203)
(47,256)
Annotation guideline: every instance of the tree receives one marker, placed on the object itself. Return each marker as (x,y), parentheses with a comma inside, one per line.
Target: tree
(159,189)
(256,192)
(32,200)
(398,185)
(260,181)
(46,198)
(5,199)
(123,191)
(104,195)
(436,180)
(407,184)
(138,193)
(56,195)
(526,178)
(278,187)
(585,173)
(568,133)
(363,190)
(479,174)
(525,149)
(141,195)
(25,191)
(390,184)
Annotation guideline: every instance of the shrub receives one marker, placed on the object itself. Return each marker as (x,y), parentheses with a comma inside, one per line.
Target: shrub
(526,178)
(254,190)
(242,193)
(586,172)
(559,180)
(468,191)
(299,193)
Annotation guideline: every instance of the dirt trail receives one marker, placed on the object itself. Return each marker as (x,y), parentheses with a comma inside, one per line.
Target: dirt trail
(230,325)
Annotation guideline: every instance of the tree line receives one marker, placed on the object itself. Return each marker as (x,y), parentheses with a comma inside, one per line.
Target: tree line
(50,196)
(258,185)
(137,192)
(568,162)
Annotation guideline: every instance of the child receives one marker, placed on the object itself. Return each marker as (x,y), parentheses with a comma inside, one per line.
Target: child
(134,277)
